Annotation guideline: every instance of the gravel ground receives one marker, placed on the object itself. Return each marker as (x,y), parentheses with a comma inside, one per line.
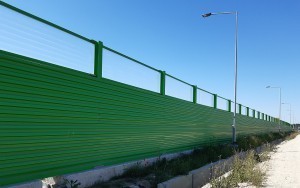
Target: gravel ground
(283,169)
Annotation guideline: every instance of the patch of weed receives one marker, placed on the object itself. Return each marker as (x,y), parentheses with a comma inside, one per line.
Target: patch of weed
(244,170)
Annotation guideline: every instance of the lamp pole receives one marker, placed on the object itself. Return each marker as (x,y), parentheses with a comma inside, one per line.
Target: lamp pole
(235,68)
(268,87)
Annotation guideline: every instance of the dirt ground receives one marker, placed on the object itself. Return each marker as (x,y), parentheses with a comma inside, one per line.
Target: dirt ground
(283,169)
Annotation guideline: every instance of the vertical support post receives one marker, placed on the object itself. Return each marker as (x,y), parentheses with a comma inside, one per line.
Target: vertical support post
(215,100)
(235,79)
(162,82)
(195,94)
(240,109)
(229,105)
(258,115)
(247,111)
(98,59)
(253,113)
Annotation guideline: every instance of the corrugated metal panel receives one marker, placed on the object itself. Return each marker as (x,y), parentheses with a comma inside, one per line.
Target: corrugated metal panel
(56,120)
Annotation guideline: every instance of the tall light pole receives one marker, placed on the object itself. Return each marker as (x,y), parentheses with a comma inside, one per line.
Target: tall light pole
(235,70)
(268,87)
(290,112)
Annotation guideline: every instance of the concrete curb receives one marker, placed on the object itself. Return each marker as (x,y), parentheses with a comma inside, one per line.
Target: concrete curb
(178,182)
(32,184)
(90,177)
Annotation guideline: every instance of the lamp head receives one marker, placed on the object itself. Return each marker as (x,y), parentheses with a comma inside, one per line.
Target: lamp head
(206,15)
(268,86)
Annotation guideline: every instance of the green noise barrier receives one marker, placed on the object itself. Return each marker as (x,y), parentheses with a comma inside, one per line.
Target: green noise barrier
(56,121)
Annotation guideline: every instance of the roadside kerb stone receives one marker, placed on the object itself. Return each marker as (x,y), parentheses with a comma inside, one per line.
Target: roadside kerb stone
(178,182)
(33,184)
(98,174)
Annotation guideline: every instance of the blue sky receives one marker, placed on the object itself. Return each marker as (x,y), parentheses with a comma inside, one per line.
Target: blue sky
(171,35)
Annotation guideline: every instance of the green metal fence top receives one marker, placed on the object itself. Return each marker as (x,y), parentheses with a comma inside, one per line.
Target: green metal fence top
(205,91)
(127,57)
(223,98)
(45,21)
(179,80)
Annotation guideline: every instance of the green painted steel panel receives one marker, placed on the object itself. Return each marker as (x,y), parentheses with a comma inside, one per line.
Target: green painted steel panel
(55,120)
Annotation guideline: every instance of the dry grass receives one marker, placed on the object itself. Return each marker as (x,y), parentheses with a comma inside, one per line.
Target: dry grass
(292,135)
(244,170)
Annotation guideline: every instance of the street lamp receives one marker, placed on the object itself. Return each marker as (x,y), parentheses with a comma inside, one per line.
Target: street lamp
(290,112)
(236,70)
(270,87)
